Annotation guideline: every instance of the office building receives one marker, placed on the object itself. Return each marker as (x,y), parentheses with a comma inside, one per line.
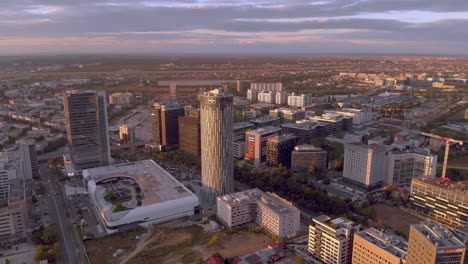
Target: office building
(86,125)
(239,130)
(403,166)
(430,243)
(288,115)
(372,246)
(305,156)
(6,174)
(252,95)
(267,87)
(266,121)
(364,165)
(165,119)
(331,240)
(28,158)
(14,212)
(278,150)
(268,210)
(440,200)
(336,122)
(148,194)
(305,130)
(216,111)
(302,100)
(359,116)
(190,134)
(126,134)
(238,149)
(121,99)
(256,141)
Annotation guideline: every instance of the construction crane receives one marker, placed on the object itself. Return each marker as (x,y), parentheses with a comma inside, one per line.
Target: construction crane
(447,147)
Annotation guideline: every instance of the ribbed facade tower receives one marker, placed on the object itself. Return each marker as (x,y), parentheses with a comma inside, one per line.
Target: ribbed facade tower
(216,118)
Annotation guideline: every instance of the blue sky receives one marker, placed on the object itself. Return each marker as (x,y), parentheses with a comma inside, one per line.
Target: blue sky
(230,26)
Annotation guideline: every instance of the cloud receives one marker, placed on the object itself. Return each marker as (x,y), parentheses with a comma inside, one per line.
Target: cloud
(256,24)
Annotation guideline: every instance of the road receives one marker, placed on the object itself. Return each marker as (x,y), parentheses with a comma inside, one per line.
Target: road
(71,246)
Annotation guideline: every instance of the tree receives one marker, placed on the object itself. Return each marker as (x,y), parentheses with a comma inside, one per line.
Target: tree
(198,260)
(319,112)
(40,253)
(299,260)
(49,235)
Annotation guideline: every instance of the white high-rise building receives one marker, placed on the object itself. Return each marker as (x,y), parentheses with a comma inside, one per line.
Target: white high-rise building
(331,240)
(402,166)
(252,95)
(281,98)
(364,165)
(300,100)
(266,97)
(216,120)
(267,87)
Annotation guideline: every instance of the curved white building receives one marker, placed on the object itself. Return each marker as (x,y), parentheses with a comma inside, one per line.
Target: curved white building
(138,193)
(216,117)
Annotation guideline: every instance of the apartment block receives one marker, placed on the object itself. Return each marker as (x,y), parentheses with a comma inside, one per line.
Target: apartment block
(304,156)
(268,210)
(121,99)
(266,97)
(372,246)
(364,165)
(403,166)
(302,100)
(278,150)
(431,243)
(256,141)
(331,240)
(440,200)
(268,87)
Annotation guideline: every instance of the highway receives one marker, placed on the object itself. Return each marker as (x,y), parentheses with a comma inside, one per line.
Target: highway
(72,248)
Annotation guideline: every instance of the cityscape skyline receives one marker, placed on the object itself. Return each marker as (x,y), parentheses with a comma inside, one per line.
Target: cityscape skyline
(234,27)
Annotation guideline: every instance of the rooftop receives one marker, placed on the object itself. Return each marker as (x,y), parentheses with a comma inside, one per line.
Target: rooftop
(445,184)
(304,124)
(281,138)
(157,184)
(264,119)
(287,110)
(256,196)
(241,125)
(264,130)
(438,235)
(307,148)
(391,243)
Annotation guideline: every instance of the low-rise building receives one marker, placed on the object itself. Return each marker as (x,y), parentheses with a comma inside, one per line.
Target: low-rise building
(268,210)
(305,156)
(266,121)
(372,246)
(287,115)
(305,130)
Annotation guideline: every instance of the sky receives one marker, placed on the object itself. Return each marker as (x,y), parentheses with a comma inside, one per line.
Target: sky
(438,27)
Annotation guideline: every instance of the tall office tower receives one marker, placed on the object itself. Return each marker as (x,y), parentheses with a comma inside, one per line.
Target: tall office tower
(430,243)
(372,246)
(288,115)
(252,95)
(278,150)
(402,166)
(166,125)
(364,165)
(442,201)
(28,156)
(216,111)
(256,141)
(189,134)
(304,156)
(126,134)
(86,123)
(331,240)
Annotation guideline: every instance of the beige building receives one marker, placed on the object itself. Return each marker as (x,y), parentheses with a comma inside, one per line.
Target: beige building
(443,201)
(430,243)
(268,210)
(14,212)
(331,240)
(372,246)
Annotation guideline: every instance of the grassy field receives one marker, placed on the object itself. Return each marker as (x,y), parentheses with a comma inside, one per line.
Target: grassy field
(175,245)
(395,218)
